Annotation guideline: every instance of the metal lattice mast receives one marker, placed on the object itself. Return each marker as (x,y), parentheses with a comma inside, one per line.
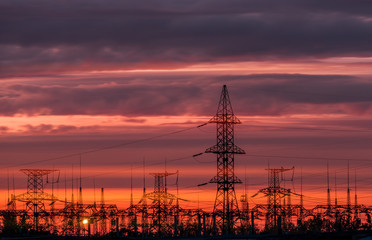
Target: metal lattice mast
(274,193)
(226,206)
(162,201)
(35,195)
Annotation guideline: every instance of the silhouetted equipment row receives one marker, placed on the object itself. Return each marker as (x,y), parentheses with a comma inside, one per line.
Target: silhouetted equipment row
(159,214)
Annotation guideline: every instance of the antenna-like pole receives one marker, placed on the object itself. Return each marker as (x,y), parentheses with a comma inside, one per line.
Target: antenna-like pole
(94,191)
(53,182)
(302,196)
(348,185)
(356,196)
(80,172)
(13,186)
(245,180)
(8,188)
(144,177)
(72,184)
(65,188)
(328,189)
(131,186)
(102,197)
(268,175)
(177,191)
(335,189)
(80,189)
(165,178)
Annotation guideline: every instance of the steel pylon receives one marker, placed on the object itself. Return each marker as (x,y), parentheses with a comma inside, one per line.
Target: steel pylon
(161,203)
(275,195)
(35,195)
(226,209)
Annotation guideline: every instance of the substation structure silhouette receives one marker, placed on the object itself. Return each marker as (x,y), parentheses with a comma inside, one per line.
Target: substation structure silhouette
(160,214)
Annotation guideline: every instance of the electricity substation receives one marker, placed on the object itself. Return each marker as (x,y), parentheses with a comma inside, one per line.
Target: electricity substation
(161,212)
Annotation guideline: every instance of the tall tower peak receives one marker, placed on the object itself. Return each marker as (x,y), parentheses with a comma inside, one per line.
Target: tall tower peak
(226,207)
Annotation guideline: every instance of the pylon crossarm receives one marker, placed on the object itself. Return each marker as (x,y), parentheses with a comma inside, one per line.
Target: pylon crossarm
(234,180)
(157,196)
(213,180)
(217,149)
(37,172)
(220,118)
(282,192)
(30,196)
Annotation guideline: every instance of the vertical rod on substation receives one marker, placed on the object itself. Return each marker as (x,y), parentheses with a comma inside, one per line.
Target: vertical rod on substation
(36,217)
(280,230)
(13,185)
(175,233)
(204,225)
(135,225)
(356,196)
(348,194)
(144,228)
(8,187)
(72,184)
(301,201)
(80,192)
(65,189)
(199,224)
(102,197)
(335,189)
(94,191)
(117,226)
(328,189)
(348,185)
(214,224)
(131,186)
(252,223)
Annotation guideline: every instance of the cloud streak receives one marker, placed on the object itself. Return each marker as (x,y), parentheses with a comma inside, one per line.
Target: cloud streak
(61,35)
(260,94)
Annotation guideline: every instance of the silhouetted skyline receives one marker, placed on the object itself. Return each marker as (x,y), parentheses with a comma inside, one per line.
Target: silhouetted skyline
(86,75)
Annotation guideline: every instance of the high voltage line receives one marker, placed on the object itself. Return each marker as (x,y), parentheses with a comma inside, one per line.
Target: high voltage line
(107,147)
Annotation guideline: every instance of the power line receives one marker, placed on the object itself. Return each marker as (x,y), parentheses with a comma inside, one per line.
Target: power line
(107,147)
(273,127)
(310,158)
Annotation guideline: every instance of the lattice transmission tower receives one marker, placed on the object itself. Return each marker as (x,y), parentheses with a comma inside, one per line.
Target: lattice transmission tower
(35,195)
(226,208)
(275,193)
(162,204)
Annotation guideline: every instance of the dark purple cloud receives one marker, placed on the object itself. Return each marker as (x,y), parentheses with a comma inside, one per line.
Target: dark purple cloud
(274,94)
(104,34)
(118,99)
(44,129)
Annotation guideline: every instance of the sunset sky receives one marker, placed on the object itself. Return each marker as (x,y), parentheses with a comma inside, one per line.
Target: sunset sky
(115,83)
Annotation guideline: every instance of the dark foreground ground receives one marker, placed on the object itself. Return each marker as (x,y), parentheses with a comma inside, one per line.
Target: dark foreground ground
(365,235)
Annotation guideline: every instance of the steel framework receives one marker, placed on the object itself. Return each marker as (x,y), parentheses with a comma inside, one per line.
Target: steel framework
(226,205)
(163,205)
(276,195)
(35,195)
(159,213)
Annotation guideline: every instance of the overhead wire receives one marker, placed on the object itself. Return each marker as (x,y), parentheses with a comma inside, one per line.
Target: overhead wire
(106,147)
